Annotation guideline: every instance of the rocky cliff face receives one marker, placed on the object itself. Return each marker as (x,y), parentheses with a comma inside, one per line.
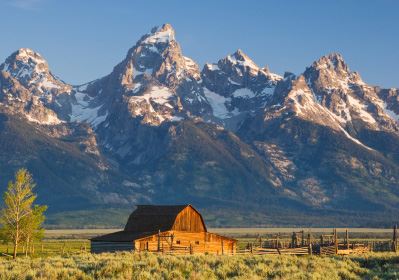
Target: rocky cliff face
(28,87)
(158,129)
(236,87)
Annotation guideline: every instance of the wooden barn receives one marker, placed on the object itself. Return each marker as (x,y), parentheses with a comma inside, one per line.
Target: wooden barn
(167,229)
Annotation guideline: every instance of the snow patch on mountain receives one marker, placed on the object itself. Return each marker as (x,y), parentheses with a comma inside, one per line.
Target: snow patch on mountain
(218,104)
(156,105)
(361,110)
(212,66)
(389,112)
(83,111)
(304,104)
(160,35)
(268,91)
(143,71)
(243,93)
(355,140)
(157,94)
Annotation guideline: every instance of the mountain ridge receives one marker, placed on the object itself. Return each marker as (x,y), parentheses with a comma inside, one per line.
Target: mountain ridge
(158,129)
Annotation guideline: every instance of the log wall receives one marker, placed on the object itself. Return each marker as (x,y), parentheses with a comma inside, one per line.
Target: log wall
(187,243)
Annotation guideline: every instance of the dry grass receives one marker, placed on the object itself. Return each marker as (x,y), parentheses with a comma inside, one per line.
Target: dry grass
(152,266)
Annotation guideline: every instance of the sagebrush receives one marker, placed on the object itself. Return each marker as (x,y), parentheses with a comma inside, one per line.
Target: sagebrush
(153,266)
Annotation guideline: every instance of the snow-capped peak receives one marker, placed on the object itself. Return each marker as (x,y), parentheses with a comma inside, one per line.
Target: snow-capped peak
(157,55)
(239,58)
(27,55)
(30,69)
(25,79)
(23,63)
(240,71)
(163,34)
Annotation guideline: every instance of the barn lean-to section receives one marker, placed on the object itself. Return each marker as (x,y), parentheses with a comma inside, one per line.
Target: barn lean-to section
(167,229)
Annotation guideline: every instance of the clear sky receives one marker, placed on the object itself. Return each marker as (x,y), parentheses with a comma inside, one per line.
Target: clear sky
(83,39)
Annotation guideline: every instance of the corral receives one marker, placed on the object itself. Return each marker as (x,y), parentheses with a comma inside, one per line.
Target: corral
(300,243)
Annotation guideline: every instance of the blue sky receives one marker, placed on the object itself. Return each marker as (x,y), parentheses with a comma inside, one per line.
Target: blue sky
(83,40)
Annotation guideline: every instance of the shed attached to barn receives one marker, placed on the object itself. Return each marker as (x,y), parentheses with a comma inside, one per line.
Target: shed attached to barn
(165,228)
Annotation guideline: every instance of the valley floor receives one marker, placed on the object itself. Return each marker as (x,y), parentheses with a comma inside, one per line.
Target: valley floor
(153,266)
(64,254)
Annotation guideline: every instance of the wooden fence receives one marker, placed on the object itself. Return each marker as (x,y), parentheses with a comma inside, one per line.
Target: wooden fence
(298,243)
(328,244)
(275,251)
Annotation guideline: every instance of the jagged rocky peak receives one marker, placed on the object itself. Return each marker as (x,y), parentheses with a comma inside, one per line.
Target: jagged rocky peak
(154,80)
(157,55)
(28,88)
(238,63)
(236,87)
(163,34)
(347,97)
(23,63)
(31,71)
(331,72)
(241,60)
(333,62)
(235,71)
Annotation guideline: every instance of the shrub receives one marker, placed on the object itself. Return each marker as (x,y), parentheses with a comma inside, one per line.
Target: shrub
(152,266)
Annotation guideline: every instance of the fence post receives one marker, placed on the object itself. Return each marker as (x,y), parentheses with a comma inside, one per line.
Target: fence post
(310,249)
(302,238)
(159,241)
(395,238)
(335,241)
(278,240)
(222,248)
(347,239)
(293,239)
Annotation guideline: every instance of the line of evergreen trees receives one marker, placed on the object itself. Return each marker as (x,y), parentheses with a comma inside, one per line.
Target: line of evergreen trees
(20,218)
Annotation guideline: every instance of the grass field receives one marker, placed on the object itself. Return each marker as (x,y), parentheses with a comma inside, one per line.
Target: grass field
(64,254)
(152,266)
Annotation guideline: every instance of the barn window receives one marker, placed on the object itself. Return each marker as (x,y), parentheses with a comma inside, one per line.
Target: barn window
(177,241)
(196,242)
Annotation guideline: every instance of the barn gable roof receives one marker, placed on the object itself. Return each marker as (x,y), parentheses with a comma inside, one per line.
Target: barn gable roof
(151,218)
(121,236)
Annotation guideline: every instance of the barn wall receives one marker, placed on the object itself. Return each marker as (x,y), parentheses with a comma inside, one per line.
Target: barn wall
(187,242)
(104,247)
(189,220)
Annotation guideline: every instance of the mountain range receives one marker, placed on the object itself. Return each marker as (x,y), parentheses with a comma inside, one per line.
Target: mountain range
(245,145)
